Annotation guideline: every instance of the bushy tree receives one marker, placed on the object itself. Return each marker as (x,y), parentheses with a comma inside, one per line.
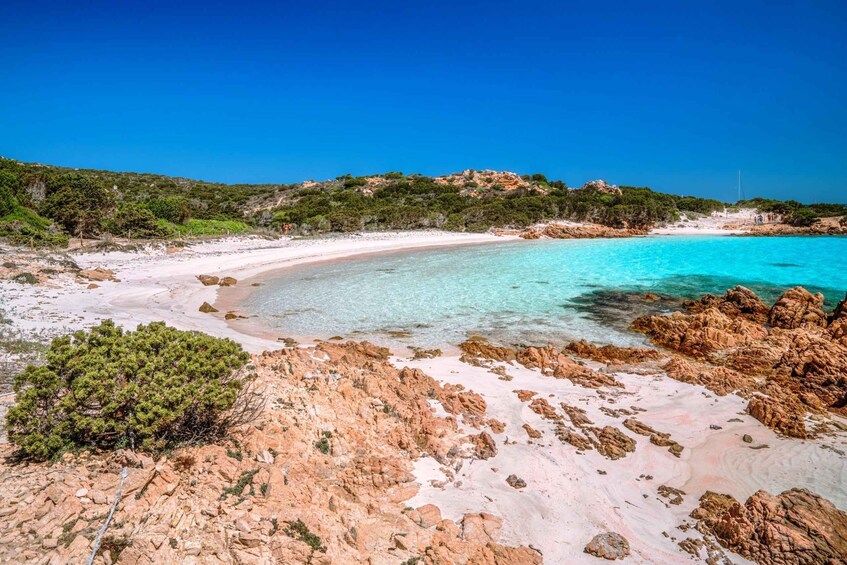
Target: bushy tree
(7,201)
(174,209)
(78,202)
(133,220)
(145,389)
(802,217)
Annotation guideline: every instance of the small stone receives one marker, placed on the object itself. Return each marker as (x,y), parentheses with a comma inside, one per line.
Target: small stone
(207,308)
(609,546)
(515,482)
(50,543)
(192,547)
(747,438)
(715,427)
(83,492)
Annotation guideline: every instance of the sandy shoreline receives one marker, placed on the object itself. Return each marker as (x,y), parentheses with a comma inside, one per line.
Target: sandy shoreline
(157,285)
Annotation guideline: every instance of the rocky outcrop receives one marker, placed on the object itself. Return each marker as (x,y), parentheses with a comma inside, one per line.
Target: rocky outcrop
(484,446)
(573,231)
(612,354)
(549,360)
(602,187)
(478,183)
(278,495)
(737,302)
(99,274)
(700,334)
(798,308)
(656,438)
(789,362)
(795,527)
(480,349)
(609,545)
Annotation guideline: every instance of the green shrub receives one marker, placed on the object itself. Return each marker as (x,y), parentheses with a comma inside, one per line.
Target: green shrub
(133,220)
(195,227)
(323,445)
(8,203)
(152,388)
(802,217)
(78,202)
(25,278)
(175,209)
(298,530)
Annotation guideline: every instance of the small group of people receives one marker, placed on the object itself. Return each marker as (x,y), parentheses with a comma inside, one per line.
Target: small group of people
(768,218)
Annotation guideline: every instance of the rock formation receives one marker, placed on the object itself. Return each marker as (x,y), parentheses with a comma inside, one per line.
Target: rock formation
(789,359)
(549,360)
(601,186)
(798,308)
(572,231)
(795,527)
(320,476)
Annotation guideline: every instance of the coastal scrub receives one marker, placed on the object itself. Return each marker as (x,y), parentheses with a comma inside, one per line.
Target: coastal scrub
(148,389)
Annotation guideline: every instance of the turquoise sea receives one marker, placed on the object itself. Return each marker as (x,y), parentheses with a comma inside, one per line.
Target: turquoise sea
(536,291)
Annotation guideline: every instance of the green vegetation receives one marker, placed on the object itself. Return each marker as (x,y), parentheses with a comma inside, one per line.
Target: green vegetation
(796,213)
(300,531)
(42,205)
(245,479)
(152,388)
(417,202)
(198,228)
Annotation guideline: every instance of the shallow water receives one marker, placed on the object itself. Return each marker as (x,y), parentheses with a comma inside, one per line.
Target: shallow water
(536,291)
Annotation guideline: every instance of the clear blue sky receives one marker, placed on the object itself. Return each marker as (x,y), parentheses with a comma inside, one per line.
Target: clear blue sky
(666,94)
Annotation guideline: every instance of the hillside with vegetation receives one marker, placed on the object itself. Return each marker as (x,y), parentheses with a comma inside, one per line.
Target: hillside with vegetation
(42,205)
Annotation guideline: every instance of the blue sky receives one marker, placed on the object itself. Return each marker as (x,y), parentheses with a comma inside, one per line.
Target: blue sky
(672,95)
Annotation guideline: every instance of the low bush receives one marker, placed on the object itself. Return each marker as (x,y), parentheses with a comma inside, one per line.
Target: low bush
(802,217)
(195,227)
(150,389)
(134,221)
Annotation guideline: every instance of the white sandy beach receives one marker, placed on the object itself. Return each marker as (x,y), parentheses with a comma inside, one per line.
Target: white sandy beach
(567,501)
(157,285)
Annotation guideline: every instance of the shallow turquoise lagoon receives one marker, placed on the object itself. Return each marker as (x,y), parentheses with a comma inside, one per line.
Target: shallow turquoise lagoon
(537,291)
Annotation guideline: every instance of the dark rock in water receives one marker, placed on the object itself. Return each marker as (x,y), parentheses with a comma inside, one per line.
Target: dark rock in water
(715,427)
(617,308)
(747,438)
(609,546)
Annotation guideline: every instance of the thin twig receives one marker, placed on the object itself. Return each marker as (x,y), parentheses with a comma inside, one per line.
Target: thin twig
(109,517)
